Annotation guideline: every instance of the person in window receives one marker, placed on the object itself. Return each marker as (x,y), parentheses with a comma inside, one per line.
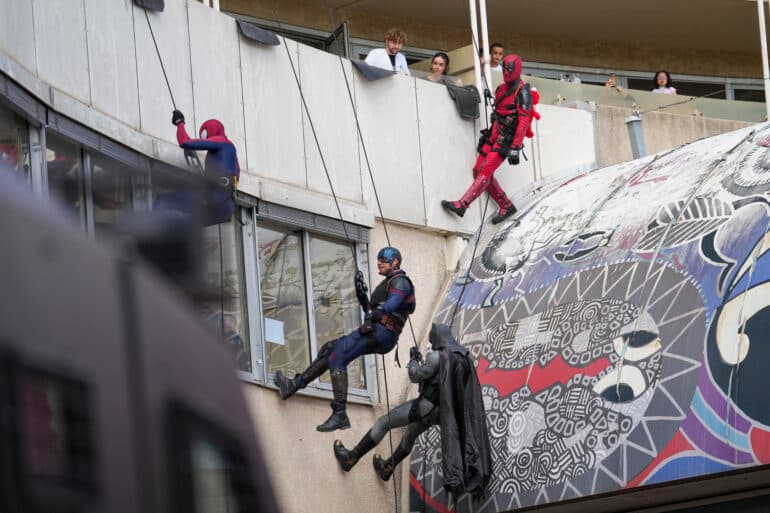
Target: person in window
(390,57)
(391,303)
(511,123)
(496,52)
(221,165)
(439,67)
(450,397)
(662,83)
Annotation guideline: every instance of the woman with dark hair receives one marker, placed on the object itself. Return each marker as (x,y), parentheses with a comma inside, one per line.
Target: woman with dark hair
(439,67)
(662,83)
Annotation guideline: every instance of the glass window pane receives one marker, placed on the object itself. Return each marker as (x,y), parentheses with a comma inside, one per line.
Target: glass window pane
(14,144)
(111,184)
(335,307)
(65,174)
(284,308)
(227,314)
(212,479)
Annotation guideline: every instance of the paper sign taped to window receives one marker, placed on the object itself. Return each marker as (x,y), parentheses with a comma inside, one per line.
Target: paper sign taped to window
(274,331)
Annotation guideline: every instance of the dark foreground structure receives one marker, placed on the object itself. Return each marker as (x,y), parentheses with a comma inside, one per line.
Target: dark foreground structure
(114,397)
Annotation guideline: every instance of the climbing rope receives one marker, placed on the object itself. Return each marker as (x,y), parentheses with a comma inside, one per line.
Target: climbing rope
(339,212)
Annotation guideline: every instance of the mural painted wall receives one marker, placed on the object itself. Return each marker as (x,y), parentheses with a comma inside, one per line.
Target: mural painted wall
(620,330)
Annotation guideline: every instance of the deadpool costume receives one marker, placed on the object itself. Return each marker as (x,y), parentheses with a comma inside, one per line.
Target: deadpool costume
(221,165)
(511,120)
(391,303)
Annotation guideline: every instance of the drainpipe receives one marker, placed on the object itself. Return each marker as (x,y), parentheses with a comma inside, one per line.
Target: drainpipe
(474,43)
(763,42)
(485,41)
(636,136)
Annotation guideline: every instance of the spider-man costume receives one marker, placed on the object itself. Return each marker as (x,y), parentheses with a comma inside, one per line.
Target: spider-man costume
(221,164)
(510,124)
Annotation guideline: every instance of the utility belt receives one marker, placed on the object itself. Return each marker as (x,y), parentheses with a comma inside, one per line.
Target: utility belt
(508,121)
(229,183)
(392,323)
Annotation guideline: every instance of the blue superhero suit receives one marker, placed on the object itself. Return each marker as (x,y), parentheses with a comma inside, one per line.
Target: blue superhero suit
(392,302)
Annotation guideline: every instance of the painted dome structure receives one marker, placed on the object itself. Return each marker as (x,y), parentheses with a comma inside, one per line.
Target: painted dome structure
(619,331)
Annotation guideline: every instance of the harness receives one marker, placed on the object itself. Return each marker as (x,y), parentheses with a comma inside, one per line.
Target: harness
(508,120)
(394,322)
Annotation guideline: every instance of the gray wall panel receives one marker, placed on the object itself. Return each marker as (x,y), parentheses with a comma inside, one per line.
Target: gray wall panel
(217,72)
(17,32)
(334,122)
(389,125)
(273,113)
(448,144)
(112,59)
(171,32)
(62,52)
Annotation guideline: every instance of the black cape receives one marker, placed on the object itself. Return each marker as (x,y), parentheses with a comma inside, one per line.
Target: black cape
(466,456)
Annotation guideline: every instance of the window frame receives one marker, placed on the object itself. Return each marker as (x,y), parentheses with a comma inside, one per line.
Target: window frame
(308,225)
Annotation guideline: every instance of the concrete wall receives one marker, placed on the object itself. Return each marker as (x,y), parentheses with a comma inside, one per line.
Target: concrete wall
(662,131)
(106,74)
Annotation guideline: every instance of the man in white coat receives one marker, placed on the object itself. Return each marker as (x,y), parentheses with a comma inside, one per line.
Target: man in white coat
(390,57)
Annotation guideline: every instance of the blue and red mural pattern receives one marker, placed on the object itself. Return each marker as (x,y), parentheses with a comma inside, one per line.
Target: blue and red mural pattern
(619,329)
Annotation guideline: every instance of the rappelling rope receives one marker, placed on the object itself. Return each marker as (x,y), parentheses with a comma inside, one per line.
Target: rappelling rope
(339,211)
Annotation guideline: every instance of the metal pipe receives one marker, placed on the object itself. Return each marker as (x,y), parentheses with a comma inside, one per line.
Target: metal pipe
(474,43)
(763,43)
(485,41)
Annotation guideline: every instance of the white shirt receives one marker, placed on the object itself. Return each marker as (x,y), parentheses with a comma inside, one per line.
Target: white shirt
(379,58)
(665,90)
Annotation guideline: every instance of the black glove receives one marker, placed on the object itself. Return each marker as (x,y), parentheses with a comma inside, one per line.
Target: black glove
(361,288)
(488,94)
(177,117)
(414,354)
(513,156)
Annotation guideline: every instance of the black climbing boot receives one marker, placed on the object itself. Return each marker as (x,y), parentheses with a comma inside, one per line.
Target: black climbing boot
(286,386)
(454,206)
(339,418)
(348,458)
(384,468)
(504,214)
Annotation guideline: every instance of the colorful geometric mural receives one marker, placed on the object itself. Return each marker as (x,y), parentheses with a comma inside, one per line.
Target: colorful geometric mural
(619,329)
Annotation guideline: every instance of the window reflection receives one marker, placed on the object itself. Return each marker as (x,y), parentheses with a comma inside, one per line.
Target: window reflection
(14,144)
(226,314)
(65,174)
(335,307)
(284,305)
(111,187)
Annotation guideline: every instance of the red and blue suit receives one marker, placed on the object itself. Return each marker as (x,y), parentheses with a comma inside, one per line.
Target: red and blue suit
(221,165)
(513,113)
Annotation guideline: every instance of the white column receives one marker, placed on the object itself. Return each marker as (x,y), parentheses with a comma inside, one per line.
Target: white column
(485,41)
(763,43)
(474,43)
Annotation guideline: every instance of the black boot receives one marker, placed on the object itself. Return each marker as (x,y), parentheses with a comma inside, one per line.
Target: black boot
(454,207)
(348,458)
(286,386)
(504,214)
(339,418)
(384,468)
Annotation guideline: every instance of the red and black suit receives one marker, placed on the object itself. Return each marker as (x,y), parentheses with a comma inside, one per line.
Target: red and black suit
(510,125)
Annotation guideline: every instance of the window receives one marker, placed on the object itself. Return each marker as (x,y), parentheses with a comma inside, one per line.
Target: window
(226,313)
(14,144)
(112,191)
(209,471)
(306,295)
(65,175)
